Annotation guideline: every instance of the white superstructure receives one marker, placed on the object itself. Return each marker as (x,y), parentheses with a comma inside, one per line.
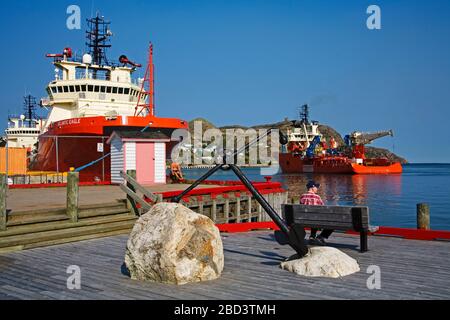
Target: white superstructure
(84,90)
(304,133)
(23,133)
(91,85)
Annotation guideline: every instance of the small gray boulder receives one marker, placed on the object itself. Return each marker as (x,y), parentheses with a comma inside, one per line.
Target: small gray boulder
(323,262)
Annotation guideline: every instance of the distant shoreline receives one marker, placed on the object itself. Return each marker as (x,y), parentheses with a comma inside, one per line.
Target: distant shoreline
(427,163)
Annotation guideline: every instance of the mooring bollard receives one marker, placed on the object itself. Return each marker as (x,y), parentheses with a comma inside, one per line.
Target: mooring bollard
(3,188)
(423,216)
(73,179)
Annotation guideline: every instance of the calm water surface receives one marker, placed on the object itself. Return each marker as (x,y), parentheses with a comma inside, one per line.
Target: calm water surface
(392,199)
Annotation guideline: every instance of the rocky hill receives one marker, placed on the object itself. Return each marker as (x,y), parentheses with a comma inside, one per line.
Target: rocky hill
(206,125)
(327,131)
(373,152)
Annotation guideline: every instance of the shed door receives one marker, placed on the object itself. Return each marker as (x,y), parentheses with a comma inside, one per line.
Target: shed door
(160,162)
(145,164)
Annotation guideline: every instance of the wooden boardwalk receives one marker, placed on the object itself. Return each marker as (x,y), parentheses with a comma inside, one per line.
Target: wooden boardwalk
(409,270)
(50,198)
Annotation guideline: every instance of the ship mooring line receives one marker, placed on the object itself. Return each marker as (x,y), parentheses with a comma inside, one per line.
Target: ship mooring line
(92,163)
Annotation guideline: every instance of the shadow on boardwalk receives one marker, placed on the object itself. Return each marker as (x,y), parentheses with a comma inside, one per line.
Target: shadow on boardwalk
(409,270)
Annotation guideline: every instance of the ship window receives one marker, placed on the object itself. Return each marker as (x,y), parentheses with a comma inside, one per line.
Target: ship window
(66,89)
(127,91)
(90,88)
(103,89)
(72,89)
(60,89)
(114,90)
(77,88)
(108,89)
(96,89)
(54,90)
(83,88)
(120,90)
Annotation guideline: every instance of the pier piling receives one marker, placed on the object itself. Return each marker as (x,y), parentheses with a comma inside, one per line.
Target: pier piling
(3,187)
(73,179)
(423,216)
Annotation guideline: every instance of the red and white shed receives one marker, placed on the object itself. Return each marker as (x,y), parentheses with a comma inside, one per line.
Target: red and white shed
(144,152)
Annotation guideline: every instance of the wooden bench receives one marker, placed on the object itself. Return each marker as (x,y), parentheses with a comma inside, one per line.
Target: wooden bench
(330,217)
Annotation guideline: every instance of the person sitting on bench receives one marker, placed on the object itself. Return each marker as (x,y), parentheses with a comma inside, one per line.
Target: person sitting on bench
(311,198)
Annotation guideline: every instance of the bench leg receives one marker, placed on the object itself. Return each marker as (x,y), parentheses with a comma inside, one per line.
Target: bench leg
(363,240)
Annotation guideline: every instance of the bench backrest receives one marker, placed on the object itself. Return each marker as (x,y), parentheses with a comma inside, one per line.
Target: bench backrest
(327,217)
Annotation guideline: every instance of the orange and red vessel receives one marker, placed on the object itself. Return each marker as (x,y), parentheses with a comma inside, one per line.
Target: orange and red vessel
(291,163)
(90,98)
(308,152)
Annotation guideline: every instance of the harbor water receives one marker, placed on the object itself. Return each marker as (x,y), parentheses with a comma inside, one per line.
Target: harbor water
(391,199)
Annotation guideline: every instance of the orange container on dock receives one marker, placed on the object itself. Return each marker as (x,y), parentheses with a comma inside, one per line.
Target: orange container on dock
(17,161)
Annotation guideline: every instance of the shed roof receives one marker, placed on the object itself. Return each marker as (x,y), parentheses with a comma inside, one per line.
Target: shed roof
(137,135)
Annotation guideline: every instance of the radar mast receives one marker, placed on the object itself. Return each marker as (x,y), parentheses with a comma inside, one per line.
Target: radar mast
(98,39)
(30,110)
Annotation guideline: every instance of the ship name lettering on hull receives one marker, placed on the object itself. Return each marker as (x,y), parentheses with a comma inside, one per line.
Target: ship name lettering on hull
(69,122)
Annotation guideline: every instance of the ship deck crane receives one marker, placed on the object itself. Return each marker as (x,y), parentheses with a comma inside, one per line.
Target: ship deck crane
(358,140)
(310,152)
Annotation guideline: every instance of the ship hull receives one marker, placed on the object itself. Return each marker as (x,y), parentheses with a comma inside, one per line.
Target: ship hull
(290,163)
(75,143)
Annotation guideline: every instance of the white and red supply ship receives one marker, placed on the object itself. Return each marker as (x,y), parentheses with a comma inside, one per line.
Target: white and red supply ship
(89,99)
(23,130)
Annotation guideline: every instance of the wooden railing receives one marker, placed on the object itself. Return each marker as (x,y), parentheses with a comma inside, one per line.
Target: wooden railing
(223,205)
(139,199)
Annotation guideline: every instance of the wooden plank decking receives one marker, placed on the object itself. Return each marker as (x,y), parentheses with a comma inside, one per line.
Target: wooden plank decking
(48,198)
(409,270)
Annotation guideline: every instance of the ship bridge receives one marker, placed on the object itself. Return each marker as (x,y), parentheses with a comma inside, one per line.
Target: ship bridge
(90,85)
(85,90)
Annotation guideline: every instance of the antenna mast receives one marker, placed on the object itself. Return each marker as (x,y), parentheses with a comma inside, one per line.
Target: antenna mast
(98,41)
(304,114)
(30,109)
(150,92)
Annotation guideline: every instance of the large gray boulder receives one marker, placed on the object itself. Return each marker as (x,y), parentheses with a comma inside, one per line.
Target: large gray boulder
(323,262)
(172,244)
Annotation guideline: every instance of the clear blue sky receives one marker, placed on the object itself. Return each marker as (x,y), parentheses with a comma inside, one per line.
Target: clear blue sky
(252,62)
